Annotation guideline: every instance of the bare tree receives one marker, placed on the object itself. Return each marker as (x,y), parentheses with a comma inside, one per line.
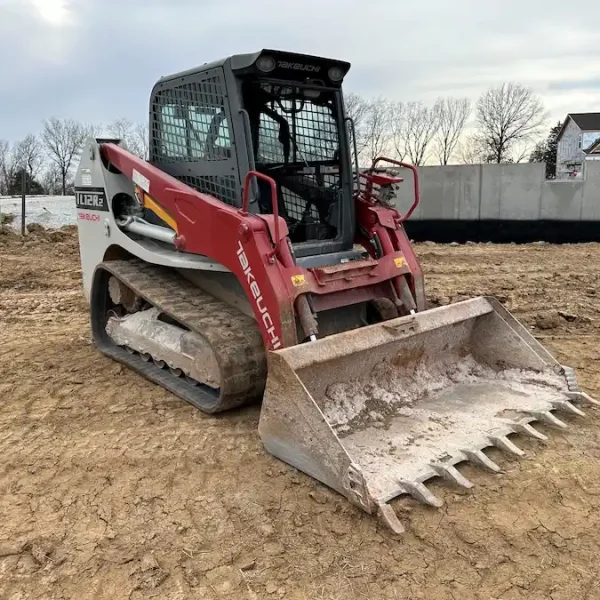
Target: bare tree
(134,137)
(469,150)
(29,155)
(521,153)
(120,128)
(397,125)
(139,141)
(51,180)
(63,140)
(452,118)
(375,131)
(507,115)
(6,166)
(356,108)
(419,127)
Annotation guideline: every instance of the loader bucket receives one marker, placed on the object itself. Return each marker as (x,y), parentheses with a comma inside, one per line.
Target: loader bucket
(375,412)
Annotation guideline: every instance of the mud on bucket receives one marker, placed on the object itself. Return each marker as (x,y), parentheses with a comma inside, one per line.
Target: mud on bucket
(375,412)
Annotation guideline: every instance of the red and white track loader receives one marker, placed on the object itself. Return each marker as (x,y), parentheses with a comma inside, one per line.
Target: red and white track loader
(249,259)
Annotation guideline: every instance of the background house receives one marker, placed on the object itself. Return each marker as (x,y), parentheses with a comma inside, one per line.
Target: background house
(577,142)
(594,152)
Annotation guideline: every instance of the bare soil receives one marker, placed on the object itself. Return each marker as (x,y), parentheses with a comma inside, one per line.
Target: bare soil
(110,487)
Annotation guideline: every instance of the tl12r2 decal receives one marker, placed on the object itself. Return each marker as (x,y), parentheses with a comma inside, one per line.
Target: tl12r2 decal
(91,199)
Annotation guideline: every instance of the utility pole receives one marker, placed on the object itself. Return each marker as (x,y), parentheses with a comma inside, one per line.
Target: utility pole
(23,193)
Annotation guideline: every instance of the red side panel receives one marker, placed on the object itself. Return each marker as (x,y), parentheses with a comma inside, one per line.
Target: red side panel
(214,229)
(245,244)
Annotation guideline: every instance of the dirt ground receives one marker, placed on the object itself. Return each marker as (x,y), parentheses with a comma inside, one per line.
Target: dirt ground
(112,488)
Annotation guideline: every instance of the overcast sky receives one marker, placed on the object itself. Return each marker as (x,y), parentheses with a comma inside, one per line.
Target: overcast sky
(95,60)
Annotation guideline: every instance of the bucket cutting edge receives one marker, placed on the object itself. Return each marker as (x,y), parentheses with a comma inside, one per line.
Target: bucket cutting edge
(374,413)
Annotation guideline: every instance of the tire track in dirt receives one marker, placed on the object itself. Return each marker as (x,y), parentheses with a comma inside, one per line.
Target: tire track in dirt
(112,488)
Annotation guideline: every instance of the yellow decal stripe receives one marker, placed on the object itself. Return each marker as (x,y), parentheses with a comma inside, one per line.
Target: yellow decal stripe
(160,212)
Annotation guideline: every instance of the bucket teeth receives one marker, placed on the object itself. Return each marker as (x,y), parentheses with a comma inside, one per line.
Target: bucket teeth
(388,516)
(503,443)
(584,398)
(480,459)
(420,492)
(566,406)
(529,430)
(545,416)
(452,474)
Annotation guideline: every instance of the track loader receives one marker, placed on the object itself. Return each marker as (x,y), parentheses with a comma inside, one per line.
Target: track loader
(249,258)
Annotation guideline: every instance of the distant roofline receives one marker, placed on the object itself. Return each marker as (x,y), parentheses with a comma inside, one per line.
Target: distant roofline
(594,149)
(573,117)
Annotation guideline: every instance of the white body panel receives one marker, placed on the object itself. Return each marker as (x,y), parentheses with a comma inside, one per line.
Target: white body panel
(98,229)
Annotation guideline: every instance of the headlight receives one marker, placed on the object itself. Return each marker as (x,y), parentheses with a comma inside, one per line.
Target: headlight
(265,64)
(309,93)
(336,74)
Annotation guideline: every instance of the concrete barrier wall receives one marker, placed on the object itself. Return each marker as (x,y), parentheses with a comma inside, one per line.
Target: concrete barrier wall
(590,210)
(501,193)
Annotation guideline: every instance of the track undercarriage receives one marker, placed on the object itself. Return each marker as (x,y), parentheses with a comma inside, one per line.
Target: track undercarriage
(162,326)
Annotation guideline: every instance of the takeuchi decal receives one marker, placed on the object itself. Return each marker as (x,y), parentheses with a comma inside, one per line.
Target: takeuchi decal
(257,296)
(87,217)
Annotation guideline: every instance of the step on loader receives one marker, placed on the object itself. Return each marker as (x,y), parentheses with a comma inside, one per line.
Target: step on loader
(249,258)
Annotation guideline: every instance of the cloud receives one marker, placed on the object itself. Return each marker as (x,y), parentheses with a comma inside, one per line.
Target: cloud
(54,12)
(591,83)
(35,36)
(95,60)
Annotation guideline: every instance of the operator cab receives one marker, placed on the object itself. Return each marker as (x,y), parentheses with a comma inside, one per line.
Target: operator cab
(281,114)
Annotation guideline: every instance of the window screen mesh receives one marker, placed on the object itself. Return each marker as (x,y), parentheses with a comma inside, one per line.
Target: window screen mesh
(296,130)
(224,187)
(190,125)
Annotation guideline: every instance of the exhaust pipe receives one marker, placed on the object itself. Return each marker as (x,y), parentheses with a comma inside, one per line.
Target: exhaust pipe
(155,232)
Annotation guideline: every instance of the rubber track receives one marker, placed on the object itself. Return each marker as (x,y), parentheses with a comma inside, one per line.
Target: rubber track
(233,336)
